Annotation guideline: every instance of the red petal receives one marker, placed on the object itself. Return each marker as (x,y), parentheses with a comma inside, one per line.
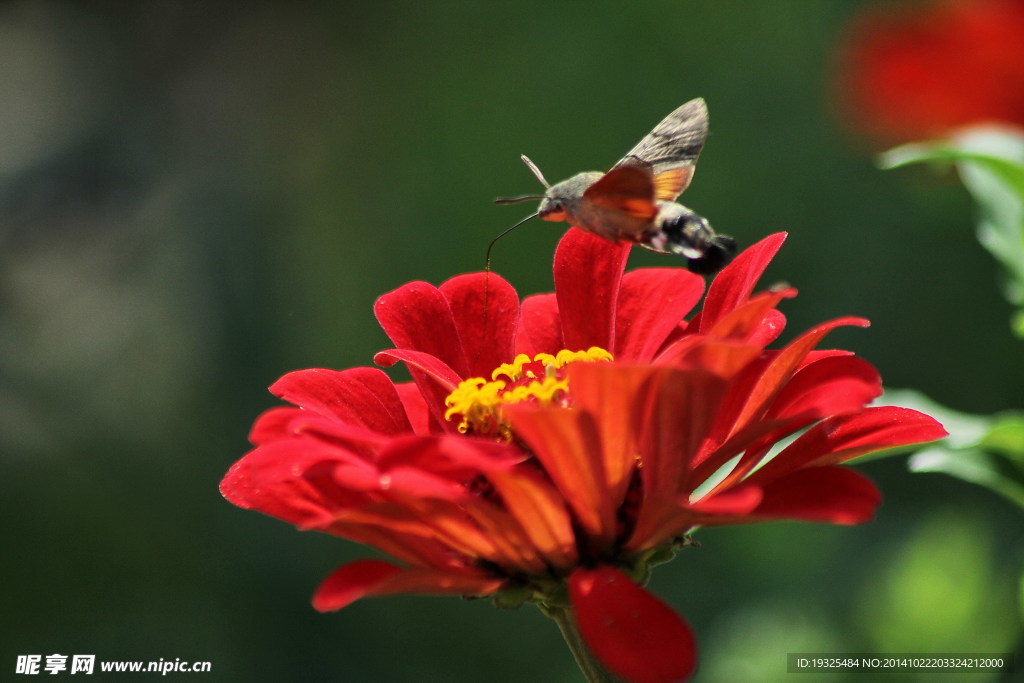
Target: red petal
(416,409)
(272,479)
(398,482)
(272,425)
(313,486)
(837,495)
(362,396)
(724,359)
(740,500)
(540,330)
(305,425)
(588,270)
(733,285)
(351,582)
(829,386)
(632,633)
(409,545)
(918,70)
(846,436)
(745,327)
(769,329)
(676,423)
(431,366)
(485,308)
(641,328)
(755,318)
(417,316)
(370,578)
(459,458)
(433,378)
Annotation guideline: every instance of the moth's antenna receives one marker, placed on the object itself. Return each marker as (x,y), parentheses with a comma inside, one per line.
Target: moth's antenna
(516,200)
(536,174)
(536,171)
(487,278)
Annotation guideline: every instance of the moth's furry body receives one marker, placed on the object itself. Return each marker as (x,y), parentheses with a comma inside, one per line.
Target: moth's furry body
(565,201)
(682,231)
(635,200)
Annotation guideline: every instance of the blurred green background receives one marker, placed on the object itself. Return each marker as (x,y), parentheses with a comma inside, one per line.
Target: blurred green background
(198,197)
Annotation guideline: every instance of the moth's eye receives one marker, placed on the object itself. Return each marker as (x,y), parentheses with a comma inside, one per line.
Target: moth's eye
(551,211)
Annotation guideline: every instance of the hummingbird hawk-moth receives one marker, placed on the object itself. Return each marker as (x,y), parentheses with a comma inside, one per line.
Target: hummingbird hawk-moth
(635,200)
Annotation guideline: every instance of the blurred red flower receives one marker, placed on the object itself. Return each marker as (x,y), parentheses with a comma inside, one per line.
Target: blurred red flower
(919,70)
(553,450)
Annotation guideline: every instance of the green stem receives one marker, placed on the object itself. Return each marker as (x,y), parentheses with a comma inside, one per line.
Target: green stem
(591,668)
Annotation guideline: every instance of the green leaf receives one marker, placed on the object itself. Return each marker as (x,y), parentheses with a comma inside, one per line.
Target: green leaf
(976,466)
(1017,324)
(1004,166)
(1020,596)
(983,450)
(1007,437)
(990,163)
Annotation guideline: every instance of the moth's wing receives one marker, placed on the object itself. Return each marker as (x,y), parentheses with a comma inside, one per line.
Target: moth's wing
(670,184)
(676,142)
(670,151)
(627,189)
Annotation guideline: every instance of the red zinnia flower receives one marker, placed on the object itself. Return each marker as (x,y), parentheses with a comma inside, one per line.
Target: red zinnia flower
(921,70)
(553,450)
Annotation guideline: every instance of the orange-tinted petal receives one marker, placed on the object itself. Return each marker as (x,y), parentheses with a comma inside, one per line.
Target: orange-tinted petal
(540,510)
(721,358)
(412,545)
(568,446)
(673,418)
(464,529)
(609,393)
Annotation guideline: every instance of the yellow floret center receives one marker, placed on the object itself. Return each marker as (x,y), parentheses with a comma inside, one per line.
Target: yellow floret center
(476,403)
